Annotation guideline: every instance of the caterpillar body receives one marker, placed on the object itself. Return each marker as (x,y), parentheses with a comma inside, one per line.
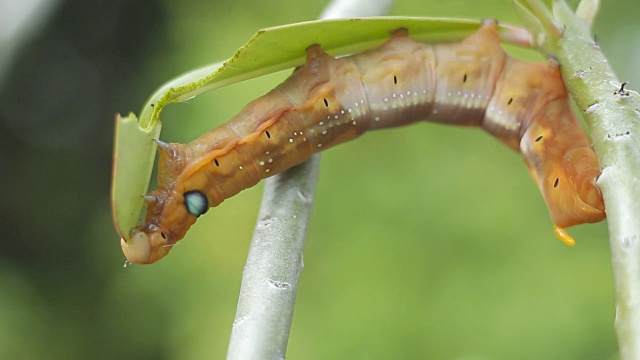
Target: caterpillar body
(329,101)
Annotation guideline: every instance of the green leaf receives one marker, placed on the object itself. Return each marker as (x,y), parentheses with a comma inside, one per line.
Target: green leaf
(133,154)
(268,51)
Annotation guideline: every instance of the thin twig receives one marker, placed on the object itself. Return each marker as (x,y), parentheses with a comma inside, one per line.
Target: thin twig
(612,113)
(270,279)
(587,10)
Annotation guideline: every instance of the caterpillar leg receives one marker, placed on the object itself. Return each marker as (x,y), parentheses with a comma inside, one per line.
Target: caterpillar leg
(314,51)
(489,23)
(563,235)
(400,32)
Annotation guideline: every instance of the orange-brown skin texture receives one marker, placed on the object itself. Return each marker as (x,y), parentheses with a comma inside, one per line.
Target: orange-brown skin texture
(330,101)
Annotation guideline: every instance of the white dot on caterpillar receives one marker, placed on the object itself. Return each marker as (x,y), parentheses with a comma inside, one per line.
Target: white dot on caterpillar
(409,93)
(386,99)
(261,163)
(401,96)
(267,170)
(295,133)
(335,117)
(342,112)
(290,140)
(270,160)
(349,110)
(459,93)
(324,132)
(393,95)
(322,122)
(240,167)
(377,118)
(415,93)
(356,104)
(449,94)
(319,145)
(424,91)
(361,101)
(266,152)
(354,122)
(328,117)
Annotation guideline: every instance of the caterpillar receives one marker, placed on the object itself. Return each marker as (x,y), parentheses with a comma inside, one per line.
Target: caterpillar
(329,101)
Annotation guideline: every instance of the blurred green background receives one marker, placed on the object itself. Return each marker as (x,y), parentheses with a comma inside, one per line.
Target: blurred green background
(426,242)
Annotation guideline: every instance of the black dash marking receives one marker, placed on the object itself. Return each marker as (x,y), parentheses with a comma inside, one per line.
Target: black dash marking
(595,43)
(326,103)
(268,134)
(164,236)
(622,91)
(464,79)
(216,161)
(538,138)
(555,184)
(395,79)
(614,136)
(591,108)
(510,101)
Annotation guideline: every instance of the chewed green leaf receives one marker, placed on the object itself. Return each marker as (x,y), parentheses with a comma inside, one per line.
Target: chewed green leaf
(133,153)
(268,51)
(283,47)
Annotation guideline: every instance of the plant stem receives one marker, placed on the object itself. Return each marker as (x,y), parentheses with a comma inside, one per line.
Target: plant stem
(613,116)
(270,279)
(614,119)
(587,10)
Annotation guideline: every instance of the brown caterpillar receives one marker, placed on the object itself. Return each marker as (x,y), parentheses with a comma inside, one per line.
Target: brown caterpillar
(330,101)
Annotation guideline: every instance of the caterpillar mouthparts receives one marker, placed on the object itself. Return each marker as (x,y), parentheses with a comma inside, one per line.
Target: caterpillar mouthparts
(146,245)
(137,249)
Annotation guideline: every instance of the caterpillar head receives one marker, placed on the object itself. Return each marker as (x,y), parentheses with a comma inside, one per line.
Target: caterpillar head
(570,189)
(566,169)
(169,216)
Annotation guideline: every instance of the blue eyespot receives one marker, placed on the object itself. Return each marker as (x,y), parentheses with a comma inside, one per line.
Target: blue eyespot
(196,202)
